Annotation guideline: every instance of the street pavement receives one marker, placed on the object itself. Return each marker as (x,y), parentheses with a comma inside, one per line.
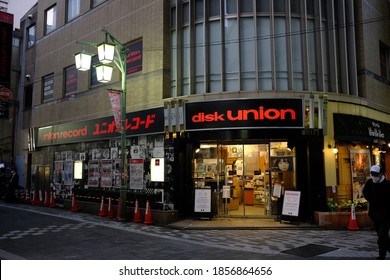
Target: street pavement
(34,232)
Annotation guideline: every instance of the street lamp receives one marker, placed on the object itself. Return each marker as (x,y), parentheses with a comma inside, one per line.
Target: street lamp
(108,52)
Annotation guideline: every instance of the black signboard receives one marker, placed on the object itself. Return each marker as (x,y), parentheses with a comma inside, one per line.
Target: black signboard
(245,113)
(137,123)
(357,128)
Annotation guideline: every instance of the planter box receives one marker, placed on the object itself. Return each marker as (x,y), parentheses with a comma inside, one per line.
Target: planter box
(159,217)
(338,220)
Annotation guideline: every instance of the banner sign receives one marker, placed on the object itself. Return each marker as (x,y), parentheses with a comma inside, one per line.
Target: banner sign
(134,57)
(116,103)
(137,123)
(245,113)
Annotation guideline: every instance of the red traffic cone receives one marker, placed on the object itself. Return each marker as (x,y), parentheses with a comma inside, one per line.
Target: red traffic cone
(118,212)
(103,209)
(352,219)
(148,214)
(47,199)
(34,198)
(137,213)
(75,207)
(52,200)
(110,209)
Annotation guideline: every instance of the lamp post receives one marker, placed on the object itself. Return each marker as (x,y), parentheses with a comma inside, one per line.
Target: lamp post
(111,51)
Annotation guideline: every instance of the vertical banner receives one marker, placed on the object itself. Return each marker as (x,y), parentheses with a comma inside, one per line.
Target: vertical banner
(116,103)
(6,28)
(360,170)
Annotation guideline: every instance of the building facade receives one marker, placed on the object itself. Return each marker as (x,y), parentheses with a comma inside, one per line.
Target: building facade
(242,103)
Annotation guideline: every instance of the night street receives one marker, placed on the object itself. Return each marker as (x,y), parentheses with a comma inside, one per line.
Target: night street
(42,233)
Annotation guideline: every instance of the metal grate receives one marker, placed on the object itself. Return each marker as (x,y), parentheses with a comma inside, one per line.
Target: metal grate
(309,250)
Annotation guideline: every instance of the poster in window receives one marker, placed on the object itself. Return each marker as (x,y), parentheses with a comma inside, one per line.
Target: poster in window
(282,163)
(93,173)
(136,174)
(360,170)
(106,173)
(68,172)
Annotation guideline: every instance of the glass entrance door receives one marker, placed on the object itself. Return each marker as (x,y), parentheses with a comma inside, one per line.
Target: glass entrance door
(245,174)
(243,177)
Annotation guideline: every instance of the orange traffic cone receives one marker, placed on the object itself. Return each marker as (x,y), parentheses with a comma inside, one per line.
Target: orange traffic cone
(110,209)
(52,200)
(75,207)
(118,212)
(148,214)
(103,209)
(137,213)
(352,219)
(47,199)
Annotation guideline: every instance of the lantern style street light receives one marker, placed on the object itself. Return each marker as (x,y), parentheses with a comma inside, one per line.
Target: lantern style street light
(110,51)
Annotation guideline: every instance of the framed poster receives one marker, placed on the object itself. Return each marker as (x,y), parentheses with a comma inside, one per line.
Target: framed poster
(360,170)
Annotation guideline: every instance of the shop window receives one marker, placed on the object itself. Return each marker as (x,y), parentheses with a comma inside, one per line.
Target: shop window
(50,19)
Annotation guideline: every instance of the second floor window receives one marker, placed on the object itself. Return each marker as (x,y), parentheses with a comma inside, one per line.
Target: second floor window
(31,36)
(50,19)
(73,7)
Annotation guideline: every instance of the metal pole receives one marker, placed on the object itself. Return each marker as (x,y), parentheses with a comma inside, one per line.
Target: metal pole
(123,188)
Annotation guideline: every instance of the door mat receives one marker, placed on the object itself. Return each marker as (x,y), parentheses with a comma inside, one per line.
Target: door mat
(309,250)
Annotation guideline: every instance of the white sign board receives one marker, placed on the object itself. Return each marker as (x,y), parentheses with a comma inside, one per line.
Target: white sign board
(226,192)
(157,170)
(202,200)
(291,203)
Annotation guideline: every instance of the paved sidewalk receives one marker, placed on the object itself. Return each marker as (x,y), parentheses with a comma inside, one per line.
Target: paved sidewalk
(277,240)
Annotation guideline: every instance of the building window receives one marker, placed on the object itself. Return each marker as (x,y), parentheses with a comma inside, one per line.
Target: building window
(28,94)
(384,52)
(70,76)
(48,87)
(31,37)
(73,9)
(95,3)
(50,19)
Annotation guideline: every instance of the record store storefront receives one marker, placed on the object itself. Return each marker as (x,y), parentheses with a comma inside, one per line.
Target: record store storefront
(233,157)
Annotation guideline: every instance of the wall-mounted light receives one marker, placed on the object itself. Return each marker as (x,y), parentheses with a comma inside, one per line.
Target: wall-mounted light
(28,77)
(334,149)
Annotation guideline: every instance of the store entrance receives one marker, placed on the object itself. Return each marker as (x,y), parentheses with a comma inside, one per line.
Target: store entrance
(243,177)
